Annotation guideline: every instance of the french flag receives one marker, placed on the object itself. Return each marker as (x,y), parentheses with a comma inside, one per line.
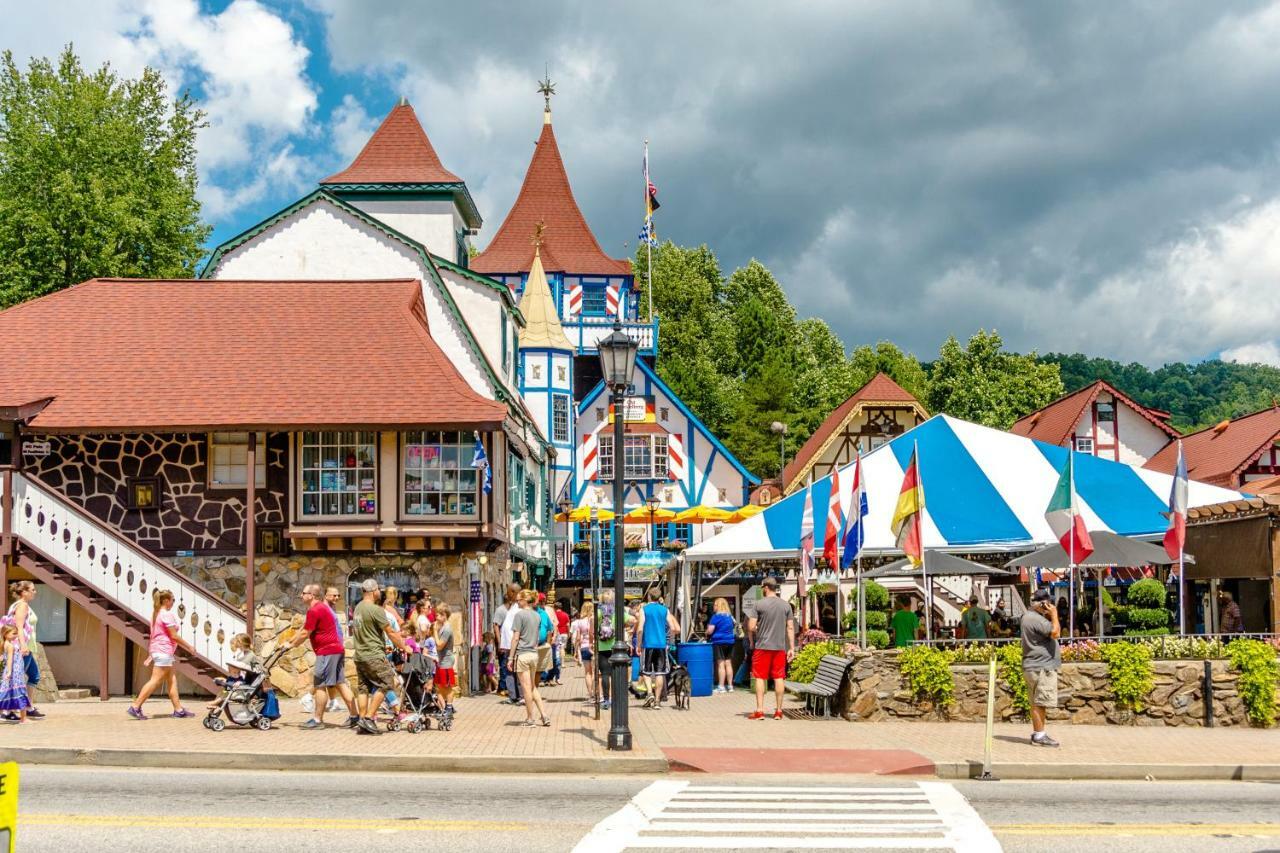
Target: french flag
(856,530)
(1175,538)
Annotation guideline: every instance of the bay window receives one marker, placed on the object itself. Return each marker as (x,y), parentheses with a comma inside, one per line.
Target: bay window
(644,457)
(339,474)
(437,477)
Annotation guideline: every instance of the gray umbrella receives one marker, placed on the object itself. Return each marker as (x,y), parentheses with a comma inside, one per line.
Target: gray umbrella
(938,563)
(1109,549)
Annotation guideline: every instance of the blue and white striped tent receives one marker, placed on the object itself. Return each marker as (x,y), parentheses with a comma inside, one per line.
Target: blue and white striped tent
(985,490)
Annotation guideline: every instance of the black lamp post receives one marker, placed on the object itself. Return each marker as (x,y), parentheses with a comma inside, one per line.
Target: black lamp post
(652,502)
(617,363)
(566,507)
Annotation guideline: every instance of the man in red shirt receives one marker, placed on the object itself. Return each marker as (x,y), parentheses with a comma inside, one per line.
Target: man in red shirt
(321,627)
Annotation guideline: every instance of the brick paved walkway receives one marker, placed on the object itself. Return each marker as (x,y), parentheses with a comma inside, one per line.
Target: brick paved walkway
(485,728)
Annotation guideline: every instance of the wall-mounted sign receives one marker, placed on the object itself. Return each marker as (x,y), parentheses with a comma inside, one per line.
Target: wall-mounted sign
(636,410)
(36,448)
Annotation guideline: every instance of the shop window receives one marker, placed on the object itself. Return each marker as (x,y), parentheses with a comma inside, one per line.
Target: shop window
(339,474)
(229,459)
(438,477)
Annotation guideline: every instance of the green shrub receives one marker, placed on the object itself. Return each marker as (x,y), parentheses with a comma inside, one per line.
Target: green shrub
(877,639)
(1148,617)
(877,620)
(1146,632)
(1129,670)
(1259,672)
(876,596)
(1147,592)
(928,673)
(804,666)
(1186,648)
(1010,657)
(974,652)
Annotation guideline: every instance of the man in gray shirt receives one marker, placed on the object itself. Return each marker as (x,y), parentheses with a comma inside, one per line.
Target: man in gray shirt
(1041,661)
(773,636)
(524,657)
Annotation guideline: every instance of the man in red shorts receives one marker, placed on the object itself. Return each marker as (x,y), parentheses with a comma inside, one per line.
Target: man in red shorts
(773,635)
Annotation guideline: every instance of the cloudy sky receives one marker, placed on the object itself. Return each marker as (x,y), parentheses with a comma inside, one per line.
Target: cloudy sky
(1094,177)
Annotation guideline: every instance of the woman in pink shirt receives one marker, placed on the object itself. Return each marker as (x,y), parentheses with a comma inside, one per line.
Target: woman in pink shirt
(164,649)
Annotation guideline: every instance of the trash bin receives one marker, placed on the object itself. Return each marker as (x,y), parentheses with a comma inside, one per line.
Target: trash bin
(697,658)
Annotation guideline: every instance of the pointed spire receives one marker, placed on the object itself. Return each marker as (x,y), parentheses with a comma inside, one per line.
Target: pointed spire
(546,196)
(399,152)
(542,322)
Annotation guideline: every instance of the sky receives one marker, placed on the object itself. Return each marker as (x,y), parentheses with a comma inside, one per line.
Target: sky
(1094,177)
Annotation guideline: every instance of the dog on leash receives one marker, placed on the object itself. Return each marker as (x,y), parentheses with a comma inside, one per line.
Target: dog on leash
(679,686)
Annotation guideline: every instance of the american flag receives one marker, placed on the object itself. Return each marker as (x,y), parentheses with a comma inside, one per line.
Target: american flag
(477,618)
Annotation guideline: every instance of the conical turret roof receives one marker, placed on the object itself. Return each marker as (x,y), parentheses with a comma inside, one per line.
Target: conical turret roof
(399,152)
(545,196)
(542,327)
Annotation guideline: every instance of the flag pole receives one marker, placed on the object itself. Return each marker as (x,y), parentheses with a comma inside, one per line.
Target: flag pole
(862,605)
(1182,544)
(924,558)
(648,244)
(1071,556)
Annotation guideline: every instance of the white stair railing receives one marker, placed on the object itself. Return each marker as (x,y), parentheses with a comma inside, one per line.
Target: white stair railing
(103,557)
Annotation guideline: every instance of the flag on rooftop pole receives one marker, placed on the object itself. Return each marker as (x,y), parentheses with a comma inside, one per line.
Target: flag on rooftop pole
(1175,538)
(480,460)
(1064,518)
(806,553)
(647,234)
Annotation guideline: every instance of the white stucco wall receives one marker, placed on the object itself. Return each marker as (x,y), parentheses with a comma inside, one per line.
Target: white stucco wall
(1139,439)
(323,242)
(434,224)
(483,309)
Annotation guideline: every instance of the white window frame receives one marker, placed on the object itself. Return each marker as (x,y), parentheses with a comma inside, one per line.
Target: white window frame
(1084,444)
(658,449)
(454,450)
(230,451)
(364,445)
(559,431)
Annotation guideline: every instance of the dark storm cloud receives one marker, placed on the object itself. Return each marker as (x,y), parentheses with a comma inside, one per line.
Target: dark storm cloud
(1068,173)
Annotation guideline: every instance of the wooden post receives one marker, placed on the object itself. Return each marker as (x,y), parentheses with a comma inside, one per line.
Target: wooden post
(6,532)
(250,532)
(104,664)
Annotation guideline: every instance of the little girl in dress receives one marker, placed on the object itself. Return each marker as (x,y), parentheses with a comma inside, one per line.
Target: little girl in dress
(13,680)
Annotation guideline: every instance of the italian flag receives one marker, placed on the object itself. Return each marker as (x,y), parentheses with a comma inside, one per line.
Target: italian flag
(1065,520)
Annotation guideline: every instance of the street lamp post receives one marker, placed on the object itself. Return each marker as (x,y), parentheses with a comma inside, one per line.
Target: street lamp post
(617,363)
(652,502)
(566,506)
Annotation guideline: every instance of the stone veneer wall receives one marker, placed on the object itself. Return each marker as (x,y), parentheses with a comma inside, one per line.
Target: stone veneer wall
(279,587)
(877,691)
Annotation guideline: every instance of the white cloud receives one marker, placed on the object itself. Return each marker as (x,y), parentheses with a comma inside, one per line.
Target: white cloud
(1263,352)
(350,127)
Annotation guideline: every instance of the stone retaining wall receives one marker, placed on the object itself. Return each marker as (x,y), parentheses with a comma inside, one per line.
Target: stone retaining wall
(877,691)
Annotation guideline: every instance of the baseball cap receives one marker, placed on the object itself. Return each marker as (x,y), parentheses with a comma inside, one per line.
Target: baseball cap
(1041,594)
(770,582)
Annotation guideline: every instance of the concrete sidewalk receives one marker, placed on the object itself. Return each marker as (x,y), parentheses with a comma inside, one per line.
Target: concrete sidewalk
(713,736)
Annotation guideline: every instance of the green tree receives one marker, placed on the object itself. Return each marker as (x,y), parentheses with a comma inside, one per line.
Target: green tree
(886,357)
(97,177)
(983,383)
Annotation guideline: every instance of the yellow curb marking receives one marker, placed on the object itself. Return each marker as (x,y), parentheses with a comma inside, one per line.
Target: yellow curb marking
(1123,829)
(384,826)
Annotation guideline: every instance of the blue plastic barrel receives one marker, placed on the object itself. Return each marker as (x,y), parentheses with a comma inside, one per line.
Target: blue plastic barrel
(697,658)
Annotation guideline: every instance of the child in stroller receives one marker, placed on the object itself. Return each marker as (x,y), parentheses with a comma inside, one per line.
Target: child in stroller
(420,703)
(247,699)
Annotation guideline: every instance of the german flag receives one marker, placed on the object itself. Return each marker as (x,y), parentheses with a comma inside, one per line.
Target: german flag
(908,515)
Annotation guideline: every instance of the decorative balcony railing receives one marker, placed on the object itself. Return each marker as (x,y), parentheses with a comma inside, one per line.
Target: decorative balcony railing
(586,332)
(108,561)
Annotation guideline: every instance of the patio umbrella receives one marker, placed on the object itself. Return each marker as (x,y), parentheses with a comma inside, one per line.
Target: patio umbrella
(582,514)
(940,563)
(644,515)
(744,513)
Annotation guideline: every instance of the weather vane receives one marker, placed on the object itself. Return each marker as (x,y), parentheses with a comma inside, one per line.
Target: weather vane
(546,88)
(537,234)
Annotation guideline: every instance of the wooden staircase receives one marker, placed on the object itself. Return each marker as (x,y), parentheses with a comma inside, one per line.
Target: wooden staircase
(103,571)
(99,605)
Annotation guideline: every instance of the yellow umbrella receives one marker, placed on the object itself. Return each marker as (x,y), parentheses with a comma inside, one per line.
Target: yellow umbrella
(583,514)
(702,514)
(643,515)
(745,513)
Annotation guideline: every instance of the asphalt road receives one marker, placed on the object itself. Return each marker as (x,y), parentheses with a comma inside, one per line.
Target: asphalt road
(91,809)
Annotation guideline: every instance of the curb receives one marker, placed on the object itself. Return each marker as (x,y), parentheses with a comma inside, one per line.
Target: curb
(1068,771)
(172,760)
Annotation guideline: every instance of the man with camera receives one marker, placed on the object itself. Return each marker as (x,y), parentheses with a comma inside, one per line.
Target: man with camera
(1041,661)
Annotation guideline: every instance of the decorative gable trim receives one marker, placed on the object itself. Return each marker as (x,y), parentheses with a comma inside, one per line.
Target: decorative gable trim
(838,433)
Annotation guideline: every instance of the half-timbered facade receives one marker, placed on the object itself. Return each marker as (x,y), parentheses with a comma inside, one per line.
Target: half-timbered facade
(1102,421)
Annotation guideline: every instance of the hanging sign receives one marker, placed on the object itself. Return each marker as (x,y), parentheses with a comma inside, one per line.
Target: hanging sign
(636,410)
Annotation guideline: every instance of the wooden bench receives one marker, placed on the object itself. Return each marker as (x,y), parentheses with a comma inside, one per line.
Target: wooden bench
(826,683)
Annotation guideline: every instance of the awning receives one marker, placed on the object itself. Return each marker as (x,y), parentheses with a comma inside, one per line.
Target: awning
(1235,548)
(1108,550)
(938,563)
(985,492)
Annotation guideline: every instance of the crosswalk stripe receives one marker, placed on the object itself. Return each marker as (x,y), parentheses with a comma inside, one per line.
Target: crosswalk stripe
(675,815)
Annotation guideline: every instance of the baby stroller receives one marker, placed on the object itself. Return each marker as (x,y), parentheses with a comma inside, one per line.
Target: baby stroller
(419,700)
(250,702)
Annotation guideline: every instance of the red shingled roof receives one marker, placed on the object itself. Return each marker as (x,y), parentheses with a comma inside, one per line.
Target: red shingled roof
(397,153)
(1218,455)
(568,244)
(136,354)
(1054,423)
(880,389)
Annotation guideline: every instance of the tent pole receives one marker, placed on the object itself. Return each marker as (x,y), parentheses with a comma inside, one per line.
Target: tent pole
(1101,621)
(862,607)
(1182,594)
(928,592)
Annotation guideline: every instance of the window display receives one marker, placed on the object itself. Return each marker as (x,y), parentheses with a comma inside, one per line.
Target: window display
(339,474)
(437,475)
